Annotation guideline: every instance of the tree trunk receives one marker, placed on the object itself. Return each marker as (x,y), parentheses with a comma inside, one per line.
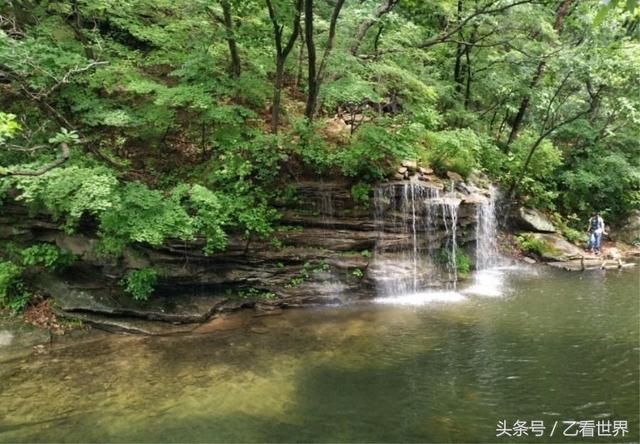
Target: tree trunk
(281,57)
(277,93)
(316,74)
(524,104)
(231,40)
(300,63)
(312,80)
(460,48)
(467,90)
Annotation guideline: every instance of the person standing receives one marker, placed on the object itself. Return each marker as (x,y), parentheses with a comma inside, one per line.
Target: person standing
(595,230)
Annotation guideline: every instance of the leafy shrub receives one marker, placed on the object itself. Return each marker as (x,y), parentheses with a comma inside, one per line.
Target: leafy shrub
(575,236)
(143,215)
(312,148)
(252,293)
(453,150)
(360,193)
(537,185)
(528,243)
(140,283)
(609,182)
(8,126)
(209,218)
(12,292)
(70,192)
(463,263)
(46,255)
(377,145)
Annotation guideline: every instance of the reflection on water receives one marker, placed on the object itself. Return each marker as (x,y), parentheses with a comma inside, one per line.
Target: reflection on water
(555,346)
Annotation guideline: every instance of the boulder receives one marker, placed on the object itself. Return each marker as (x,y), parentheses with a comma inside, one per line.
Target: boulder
(533,220)
(556,248)
(423,170)
(454,176)
(411,165)
(402,170)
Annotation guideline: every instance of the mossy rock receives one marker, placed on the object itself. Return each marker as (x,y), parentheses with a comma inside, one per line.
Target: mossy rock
(549,246)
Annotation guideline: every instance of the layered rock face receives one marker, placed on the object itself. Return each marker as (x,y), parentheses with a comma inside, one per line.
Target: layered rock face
(327,250)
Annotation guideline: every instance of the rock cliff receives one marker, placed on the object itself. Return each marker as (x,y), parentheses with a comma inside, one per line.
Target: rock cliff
(327,249)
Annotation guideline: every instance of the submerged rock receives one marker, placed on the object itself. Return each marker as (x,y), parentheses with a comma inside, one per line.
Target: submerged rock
(18,338)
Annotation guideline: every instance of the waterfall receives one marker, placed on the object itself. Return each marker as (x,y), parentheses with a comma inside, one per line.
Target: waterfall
(332,283)
(325,207)
(450,212)
(410,218)
(489,276)
(486,233)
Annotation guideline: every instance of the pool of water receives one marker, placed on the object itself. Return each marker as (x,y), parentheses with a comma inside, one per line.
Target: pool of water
(516,344)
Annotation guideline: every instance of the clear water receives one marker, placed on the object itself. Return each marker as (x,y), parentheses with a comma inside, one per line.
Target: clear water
(548,346)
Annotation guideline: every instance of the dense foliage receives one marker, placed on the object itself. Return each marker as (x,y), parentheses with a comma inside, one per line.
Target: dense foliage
(158,119)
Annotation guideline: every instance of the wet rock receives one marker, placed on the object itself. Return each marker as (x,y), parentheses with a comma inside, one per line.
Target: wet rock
(73,298)
(130,324)
(425,171)
(402,170)
(452,175)
(474,199)
(533,220)
(589,264)
(78,244)
(529,260)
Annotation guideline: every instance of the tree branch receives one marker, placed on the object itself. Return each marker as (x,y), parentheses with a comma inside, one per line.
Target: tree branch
(383,8)
(65,153)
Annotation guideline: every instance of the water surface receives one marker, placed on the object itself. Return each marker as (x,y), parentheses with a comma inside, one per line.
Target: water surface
(539,344)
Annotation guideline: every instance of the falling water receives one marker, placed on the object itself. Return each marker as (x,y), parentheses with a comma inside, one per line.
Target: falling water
(486,233)
(450,219)
(325,207)
(410,218)
(331,281)
(489,276)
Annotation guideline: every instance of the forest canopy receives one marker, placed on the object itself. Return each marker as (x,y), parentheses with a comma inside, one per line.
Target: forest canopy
(156,119)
